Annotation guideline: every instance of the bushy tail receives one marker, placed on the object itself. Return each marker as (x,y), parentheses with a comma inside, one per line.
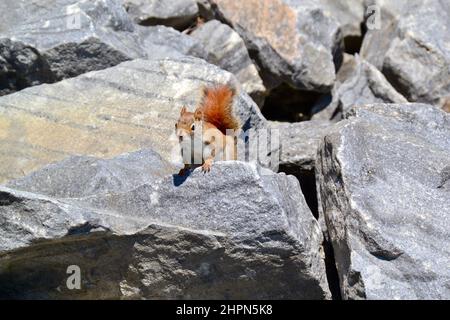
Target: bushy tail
(216,107)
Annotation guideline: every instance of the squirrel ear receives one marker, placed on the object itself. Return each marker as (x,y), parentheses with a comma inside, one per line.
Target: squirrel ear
(198,114)
(233,90)
(205,91)
(183,110)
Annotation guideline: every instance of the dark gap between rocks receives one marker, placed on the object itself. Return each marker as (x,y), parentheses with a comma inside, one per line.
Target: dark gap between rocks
(287,104)
(307,181)
(352,44)
(194,25)
(178,23)
(331,271)
(308,185)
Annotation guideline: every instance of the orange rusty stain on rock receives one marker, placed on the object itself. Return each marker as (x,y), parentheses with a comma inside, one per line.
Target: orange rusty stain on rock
(271,20)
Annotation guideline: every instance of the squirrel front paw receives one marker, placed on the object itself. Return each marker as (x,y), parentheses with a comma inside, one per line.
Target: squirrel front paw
(206,167)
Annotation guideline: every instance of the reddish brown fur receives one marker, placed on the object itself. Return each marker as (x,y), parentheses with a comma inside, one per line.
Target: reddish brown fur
(213,115)
(216,108)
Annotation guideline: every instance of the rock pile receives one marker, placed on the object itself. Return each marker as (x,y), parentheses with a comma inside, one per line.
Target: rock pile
(355,206)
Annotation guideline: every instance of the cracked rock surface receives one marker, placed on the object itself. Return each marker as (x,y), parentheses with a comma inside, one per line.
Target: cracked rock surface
(384,203)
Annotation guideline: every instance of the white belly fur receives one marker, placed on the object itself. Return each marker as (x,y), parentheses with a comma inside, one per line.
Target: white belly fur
(202,151)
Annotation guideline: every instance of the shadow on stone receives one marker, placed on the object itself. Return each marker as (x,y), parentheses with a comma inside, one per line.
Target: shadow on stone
(288,104)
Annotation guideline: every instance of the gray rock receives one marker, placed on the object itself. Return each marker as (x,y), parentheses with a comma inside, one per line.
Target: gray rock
(178,14)
(161,42)
(359,83)
(409,50)
(299,143)
(348,14)
(229,52)
(21,66)
(379,177)
(70,38)
(239,232)
(385,16)
(390,10)
(20,13)
(105,113)
(80,176)
(294,42)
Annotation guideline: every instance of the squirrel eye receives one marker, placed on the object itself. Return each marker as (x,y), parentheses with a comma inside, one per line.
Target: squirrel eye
(193,127)
(176,125)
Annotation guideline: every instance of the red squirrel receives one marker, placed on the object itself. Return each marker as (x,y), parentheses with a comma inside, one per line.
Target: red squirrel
(208,133)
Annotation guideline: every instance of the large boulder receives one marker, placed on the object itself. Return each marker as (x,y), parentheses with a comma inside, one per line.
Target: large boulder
(70,38)
(239,232)
(296,42)
(408,49)
(178,14)
(358,83)
(52,40)
(384,193)
(104,113)
(228,51)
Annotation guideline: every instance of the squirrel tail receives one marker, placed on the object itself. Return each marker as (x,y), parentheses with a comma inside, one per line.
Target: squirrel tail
(216,107)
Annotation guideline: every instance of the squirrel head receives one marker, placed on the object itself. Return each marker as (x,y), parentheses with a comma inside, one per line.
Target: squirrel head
(185,127)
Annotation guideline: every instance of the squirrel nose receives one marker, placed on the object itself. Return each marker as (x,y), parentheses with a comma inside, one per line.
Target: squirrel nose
(180,138)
